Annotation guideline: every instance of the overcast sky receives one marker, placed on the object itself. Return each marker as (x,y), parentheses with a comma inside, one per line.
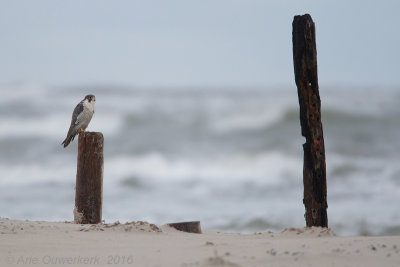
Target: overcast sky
(195,43)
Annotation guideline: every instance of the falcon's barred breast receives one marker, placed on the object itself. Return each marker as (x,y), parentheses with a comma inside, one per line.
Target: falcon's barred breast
(81,117)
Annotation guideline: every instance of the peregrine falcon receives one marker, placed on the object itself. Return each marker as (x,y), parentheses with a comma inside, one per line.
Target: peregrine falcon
(81,117)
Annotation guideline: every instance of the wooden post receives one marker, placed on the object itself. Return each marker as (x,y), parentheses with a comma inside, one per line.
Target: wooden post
(188,227)
(314,170)
(89,178)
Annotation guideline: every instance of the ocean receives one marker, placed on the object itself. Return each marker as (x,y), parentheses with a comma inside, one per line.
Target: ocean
(231,158)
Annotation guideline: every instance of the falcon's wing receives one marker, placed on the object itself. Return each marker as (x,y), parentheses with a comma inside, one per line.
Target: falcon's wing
(77,114)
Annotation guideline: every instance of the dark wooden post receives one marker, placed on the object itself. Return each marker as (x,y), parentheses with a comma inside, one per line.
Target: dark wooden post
(314,170)
(188,227)
(89,178)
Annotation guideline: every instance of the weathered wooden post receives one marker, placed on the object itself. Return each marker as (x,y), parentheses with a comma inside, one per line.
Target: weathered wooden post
(314,170)
(89,178)
(188,227)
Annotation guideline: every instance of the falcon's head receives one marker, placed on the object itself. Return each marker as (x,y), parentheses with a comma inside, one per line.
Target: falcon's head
(90,98)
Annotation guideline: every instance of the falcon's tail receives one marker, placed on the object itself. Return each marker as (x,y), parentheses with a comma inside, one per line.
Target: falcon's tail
(67,140)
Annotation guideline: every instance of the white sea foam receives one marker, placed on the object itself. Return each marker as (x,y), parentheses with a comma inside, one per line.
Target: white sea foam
(55,126)
(247,120)
(266,167)
(20,174)
(49,127)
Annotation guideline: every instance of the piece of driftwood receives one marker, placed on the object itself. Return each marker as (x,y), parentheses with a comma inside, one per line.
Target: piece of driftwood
(306,76)
(189,227)
(89,178)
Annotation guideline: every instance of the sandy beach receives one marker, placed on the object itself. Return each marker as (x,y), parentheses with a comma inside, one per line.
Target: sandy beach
(38,243)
